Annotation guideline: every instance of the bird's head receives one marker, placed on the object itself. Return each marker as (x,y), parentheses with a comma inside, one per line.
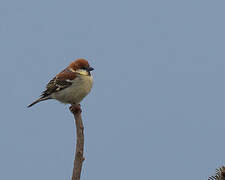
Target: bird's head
(81,66)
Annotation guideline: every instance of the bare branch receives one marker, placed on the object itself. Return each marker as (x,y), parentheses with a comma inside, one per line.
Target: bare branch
(79,158)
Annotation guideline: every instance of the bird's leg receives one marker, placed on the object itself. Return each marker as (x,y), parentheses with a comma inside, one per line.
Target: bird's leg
(75,108)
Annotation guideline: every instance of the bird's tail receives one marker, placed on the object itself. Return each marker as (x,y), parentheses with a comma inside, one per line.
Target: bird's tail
(39,100)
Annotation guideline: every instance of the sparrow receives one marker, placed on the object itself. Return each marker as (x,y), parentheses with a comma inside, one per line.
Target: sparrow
(71,85)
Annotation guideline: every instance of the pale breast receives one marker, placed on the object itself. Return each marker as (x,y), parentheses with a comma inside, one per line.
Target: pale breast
(77,91)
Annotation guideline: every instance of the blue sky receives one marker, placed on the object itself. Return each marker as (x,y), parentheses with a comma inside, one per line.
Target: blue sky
(156,110)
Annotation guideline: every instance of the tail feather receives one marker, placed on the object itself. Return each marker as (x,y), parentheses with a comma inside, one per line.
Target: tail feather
(38,100)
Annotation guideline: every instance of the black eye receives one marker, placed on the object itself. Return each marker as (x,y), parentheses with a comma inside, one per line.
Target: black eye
(84,68)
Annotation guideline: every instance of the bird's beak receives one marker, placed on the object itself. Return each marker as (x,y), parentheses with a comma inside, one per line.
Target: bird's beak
(90,69)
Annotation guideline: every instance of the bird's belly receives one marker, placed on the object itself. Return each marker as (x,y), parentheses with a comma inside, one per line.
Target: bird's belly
(76,92)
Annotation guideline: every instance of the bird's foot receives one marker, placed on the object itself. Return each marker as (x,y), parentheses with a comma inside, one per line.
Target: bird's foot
(75,109)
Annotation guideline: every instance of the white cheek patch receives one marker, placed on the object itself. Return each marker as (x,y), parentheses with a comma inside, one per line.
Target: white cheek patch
(82,72)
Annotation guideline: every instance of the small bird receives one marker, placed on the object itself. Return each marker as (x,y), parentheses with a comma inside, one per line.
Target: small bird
(71,85)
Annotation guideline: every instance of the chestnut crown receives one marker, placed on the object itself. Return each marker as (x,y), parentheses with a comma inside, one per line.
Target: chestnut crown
(81,64)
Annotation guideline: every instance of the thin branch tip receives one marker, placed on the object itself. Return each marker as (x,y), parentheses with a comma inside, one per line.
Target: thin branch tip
(79,157)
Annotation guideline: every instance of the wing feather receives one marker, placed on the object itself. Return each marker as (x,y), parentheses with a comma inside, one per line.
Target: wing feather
(59,82)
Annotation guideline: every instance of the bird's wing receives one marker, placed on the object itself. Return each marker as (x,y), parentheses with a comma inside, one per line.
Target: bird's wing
(59,82)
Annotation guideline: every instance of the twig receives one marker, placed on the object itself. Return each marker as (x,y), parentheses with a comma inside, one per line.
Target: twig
(79,158)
